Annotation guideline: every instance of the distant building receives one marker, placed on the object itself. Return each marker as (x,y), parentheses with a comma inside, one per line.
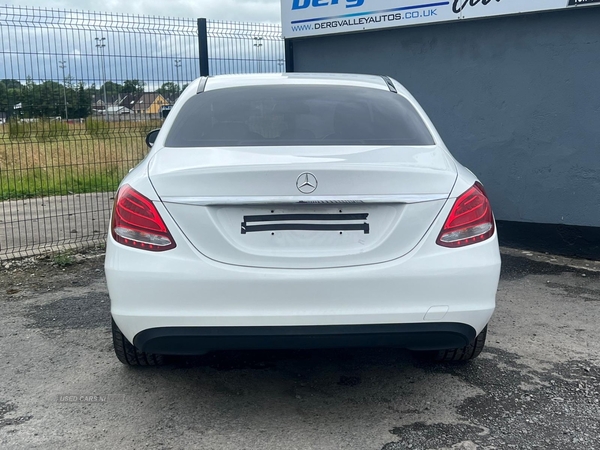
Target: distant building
(165,110)
(112,100)
(117,110)
(146,103)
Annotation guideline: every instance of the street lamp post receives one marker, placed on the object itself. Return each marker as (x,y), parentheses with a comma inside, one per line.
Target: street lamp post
(100,45)
(177,67)
(258,45)
(63,65)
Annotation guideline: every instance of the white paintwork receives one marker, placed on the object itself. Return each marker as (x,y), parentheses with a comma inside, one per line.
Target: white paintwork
(217,276)
(360,172)
(327,79)
(183,288)
(395,231)
(266,171)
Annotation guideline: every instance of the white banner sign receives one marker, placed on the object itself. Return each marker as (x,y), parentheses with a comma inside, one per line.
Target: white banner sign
(318,17)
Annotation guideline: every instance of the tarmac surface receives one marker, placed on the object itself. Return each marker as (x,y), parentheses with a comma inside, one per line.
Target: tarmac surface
(535,386)
(31,226)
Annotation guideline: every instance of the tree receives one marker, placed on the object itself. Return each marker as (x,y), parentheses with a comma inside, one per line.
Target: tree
(46,99)
(133,86)
(67,91)
(112,88)
(169,90)
(49,99)
(13,98)
(3,98)
(11,84)
(10,96)
(83,101)
(93,93)
(29,99)
(68,81)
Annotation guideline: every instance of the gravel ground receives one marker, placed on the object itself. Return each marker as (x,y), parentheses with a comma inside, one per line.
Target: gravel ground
(536,386)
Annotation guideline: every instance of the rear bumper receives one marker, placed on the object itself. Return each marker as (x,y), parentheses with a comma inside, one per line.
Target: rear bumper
(194,340)
(183,289)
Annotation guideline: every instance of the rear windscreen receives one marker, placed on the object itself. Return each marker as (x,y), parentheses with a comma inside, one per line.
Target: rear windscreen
(297,115)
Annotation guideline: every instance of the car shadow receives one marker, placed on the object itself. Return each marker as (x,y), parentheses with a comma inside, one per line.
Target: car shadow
(317,394)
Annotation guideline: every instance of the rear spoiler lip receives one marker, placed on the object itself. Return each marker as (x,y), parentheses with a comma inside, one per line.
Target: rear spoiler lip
(305,199)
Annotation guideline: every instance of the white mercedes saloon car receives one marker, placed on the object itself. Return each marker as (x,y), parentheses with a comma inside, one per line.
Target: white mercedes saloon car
(300,211)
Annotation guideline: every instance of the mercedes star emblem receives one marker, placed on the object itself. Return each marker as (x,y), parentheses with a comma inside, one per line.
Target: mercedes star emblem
(307,183)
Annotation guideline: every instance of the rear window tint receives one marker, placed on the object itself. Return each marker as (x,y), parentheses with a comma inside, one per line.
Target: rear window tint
(297,115)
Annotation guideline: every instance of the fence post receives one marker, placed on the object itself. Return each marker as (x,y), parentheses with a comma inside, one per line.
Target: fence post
(203,47)
(289,55)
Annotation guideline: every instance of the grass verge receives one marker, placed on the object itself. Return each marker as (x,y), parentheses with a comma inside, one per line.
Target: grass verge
(74,162)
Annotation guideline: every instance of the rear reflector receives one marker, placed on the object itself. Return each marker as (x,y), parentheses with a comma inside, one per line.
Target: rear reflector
(470,221)
(137,223)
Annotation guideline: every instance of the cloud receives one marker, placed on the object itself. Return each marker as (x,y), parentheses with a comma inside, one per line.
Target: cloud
(234,10)
(97,46)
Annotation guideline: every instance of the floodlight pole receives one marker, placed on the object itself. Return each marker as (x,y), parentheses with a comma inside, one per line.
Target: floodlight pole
(63,65)
(100,45)
(258,44)
(177,67)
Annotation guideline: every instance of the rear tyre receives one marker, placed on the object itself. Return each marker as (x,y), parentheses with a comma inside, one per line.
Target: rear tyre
(467,353)
(129,355)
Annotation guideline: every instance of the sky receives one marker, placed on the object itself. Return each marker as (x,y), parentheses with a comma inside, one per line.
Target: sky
(35,45)
(234,10)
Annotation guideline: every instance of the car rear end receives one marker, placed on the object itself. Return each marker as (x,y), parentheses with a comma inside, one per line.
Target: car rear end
(300,211)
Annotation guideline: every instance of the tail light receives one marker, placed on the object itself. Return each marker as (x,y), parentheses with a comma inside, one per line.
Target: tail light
(470,221)
(137,223)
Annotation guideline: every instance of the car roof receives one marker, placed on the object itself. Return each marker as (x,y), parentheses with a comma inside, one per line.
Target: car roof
(313,79)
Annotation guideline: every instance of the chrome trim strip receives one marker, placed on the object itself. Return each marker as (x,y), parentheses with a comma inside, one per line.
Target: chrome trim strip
(304,199)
